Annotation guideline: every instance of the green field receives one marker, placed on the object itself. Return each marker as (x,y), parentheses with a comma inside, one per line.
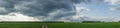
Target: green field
(60,25)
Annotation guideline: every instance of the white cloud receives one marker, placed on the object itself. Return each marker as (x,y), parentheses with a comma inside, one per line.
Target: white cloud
(79,8)
(113,2)
(77,17)
(16,17)
(65,19)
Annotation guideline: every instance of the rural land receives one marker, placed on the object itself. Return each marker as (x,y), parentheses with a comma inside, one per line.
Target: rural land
(59,25)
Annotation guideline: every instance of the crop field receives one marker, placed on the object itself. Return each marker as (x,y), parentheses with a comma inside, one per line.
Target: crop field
(58,25)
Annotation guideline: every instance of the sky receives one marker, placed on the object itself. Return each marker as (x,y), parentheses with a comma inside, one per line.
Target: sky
(60,10)
(105,10)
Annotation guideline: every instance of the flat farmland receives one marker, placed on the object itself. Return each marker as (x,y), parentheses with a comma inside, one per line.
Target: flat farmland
(59,25)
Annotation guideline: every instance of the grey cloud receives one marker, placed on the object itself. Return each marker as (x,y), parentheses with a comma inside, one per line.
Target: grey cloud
(78,1)
(36,8)
(8,5)
(43,7)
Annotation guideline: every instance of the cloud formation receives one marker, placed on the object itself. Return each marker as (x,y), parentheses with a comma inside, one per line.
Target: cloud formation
(16,17)
(41,9)
(115,8)
(113,2)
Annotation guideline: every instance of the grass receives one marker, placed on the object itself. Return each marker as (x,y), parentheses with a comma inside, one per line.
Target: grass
(84,25)
(60,25)
(20,25)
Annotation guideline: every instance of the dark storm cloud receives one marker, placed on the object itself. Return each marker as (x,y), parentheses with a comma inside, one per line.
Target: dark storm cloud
(78,1)
(36,8)
(43,7)
(8,5)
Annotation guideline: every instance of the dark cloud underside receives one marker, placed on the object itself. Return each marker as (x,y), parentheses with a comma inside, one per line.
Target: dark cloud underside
(36,8)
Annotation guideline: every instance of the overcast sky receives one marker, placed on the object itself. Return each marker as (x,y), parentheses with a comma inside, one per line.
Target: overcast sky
(60,10)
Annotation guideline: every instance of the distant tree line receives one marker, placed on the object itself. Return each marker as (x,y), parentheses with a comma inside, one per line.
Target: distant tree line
(91,21)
